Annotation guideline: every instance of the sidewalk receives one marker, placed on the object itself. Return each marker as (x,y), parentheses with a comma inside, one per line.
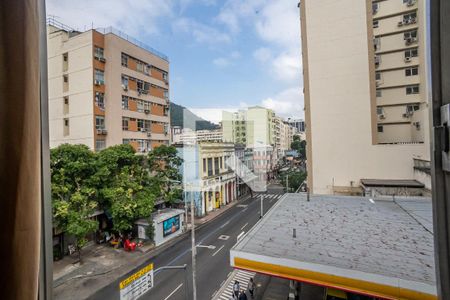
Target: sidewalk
(103,264)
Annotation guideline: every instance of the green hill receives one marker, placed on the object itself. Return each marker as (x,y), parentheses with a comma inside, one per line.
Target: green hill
(176,118)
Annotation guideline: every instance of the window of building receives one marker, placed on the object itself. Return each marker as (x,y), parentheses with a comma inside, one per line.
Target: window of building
(65,61)
(380,128)
(375,7)
(411,53)
(379,110)
(99,53)
(216,165)
(99,122)
(378,92)
(147,69)
(165,76)
(140,125)
(221,162)
(210,167)
(99,76)
(375,23)
(139,66)
(410,34)
(125,123)
(125,82)
(66,105)
(65,83)
(376,43)
(125,102)
(204,165)
(412,89)
(166,94)
(100,145)
(410,18)
(66,127)
(124,60)
(100,100)
(412,71)
(378,76)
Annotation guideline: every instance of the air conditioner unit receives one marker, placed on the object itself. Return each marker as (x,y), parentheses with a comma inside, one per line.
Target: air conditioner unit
(377,83)
(408,41)
(406,115)
(149,134)
(411,2)
(412,21)
(102,59)
(98,82)
(381,116)
(99,131)
(143,130)
(408,59)
(124,87)
(147,111)
(144,92)
(400,24)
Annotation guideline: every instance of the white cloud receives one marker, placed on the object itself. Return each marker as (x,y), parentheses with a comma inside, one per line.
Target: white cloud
(226,61)
(84,14)
(235,55)
(262,54)
(221,62)
(202,33)
(287,66)
(288,103)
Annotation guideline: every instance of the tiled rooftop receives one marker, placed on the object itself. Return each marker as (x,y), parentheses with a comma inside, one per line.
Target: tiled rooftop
(386,237)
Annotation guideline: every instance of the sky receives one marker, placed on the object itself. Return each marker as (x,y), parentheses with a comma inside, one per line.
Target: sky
(224,54)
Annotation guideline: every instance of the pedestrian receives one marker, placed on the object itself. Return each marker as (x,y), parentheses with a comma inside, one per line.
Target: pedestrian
(251,287)
(236,289)
(242,295)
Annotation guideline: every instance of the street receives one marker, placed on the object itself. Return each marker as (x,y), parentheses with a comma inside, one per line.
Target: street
(213,265)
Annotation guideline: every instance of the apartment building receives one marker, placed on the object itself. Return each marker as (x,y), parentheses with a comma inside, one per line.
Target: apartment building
(256,125)
(234,127)
(366,91)
(284,134)
(298,124)
(106,88)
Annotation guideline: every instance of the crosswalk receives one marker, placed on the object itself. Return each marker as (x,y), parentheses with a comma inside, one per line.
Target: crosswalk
(269,196)
(240,275)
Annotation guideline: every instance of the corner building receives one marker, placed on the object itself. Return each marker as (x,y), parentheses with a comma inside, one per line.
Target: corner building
(105,88)
(366,91)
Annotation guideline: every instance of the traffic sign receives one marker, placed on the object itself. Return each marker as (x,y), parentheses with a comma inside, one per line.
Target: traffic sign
(137,284)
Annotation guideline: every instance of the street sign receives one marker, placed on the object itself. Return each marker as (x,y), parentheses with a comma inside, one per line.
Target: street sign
(137,284)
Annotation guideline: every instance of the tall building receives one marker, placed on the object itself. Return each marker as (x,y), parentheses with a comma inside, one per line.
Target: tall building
(256,125)
(189,136)
(298,124)
(366,91)
(106,88)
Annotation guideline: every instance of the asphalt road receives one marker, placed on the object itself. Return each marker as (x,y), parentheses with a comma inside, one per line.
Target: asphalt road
(212,265)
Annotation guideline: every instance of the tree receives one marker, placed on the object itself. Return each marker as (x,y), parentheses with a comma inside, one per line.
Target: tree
(296,178)
(299,146)
(164,165)
(73,195)
(125,186)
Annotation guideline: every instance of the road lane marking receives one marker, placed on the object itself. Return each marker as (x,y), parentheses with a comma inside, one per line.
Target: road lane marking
(225,224)
(218,250)
(240,235)
(242,228)
(174,291)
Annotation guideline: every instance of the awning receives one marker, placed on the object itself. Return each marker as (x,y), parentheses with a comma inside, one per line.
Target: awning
(382,248)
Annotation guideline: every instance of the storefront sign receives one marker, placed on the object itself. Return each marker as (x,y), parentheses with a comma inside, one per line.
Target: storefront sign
(171,225)
(137,284)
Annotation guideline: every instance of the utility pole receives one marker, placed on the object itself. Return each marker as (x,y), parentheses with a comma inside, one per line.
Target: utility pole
(287,183)
(194,249)
(262,212)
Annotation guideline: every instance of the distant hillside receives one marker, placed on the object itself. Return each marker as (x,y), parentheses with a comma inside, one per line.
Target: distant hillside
(176,118)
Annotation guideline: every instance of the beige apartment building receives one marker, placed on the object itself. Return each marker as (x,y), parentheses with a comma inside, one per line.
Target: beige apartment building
(366,91)
(106,88)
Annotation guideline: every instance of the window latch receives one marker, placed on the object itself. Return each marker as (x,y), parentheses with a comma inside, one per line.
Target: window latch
(443,132)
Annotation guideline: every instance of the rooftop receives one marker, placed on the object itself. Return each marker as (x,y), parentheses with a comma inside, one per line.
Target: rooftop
(382,248)
(110,30)
(392,183)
